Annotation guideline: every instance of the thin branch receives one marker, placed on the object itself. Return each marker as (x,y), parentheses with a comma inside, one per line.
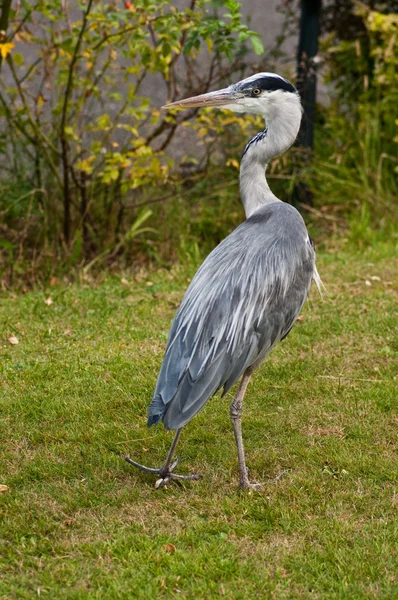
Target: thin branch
(32,122)
(111,35)
(64,113)
(17,123)
(17,200)
(28,72)
(20,25)
(340,377)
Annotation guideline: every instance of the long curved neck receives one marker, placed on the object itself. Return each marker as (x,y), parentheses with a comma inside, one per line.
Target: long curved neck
(283,122)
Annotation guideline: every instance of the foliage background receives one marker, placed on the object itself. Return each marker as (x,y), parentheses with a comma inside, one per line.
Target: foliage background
(87,177)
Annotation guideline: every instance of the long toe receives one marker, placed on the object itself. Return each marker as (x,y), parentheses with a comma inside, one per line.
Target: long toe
(164,475)
(248,485)
(143,467)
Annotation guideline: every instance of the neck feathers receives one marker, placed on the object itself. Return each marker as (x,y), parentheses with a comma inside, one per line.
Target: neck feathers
(283,117)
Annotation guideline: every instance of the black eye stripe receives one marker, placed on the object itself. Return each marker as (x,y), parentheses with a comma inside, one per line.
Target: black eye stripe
(269,84)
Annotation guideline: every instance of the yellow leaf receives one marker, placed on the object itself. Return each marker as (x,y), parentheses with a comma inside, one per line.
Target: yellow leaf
(232,162)
(86,164)
(6,48)
(143,151)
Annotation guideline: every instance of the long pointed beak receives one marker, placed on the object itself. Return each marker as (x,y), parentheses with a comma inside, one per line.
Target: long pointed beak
(218,98)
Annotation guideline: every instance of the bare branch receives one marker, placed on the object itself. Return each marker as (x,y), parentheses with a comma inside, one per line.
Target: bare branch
(64,112)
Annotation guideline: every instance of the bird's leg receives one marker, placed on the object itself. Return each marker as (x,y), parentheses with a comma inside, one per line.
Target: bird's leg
(235,413)
(166,471)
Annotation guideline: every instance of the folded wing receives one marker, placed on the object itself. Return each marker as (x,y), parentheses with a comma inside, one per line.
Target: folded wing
(243,299)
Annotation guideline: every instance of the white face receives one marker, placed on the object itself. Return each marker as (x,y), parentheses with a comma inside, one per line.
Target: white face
(264,102)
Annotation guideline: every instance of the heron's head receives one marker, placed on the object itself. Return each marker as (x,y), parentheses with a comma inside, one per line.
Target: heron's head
(261,94)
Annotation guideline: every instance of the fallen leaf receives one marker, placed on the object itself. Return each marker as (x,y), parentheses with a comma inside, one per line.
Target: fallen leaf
(3,488)
(367,282)
(13,340)
(124,281)
(48,301)
(375,278)
(170,548)
(149,283)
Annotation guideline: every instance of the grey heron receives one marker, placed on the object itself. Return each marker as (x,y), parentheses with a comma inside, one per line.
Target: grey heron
(249,291)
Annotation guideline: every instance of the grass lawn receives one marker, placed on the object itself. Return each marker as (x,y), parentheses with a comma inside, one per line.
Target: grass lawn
(78,522)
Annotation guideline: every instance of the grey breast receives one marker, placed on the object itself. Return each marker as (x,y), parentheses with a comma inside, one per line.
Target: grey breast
(244,298)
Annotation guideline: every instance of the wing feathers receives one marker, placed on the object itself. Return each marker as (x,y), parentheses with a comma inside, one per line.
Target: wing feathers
(243,299)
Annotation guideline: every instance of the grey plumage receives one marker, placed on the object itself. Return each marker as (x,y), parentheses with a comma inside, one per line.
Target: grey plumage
(244,298)
(249,291)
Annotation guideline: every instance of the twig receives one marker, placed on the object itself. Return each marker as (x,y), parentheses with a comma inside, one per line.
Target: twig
(107,37)
(136,440)
(38,132)
(316,212)
(64,112)
(28,72)
(339,377)
(20,25)
(31,193)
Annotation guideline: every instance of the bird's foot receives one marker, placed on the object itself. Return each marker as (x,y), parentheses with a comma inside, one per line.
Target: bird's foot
(248,485)
(165,474)
(245,484)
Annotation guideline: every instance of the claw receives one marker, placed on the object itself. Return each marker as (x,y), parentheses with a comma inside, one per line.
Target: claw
(173,465)
(159,483)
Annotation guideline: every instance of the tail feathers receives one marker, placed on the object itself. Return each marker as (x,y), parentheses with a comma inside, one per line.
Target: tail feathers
(155,410)
(319,283)
(153,420)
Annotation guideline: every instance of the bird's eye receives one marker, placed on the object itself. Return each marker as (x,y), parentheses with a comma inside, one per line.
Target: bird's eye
(256,92)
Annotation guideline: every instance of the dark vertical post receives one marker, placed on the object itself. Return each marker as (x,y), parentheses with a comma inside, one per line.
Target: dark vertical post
(306,85)
(306,67)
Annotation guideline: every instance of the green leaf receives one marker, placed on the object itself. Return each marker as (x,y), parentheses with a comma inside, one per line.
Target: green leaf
(6,244)
(257,44)
(18,59)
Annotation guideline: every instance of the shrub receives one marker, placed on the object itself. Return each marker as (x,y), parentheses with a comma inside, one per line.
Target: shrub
(80,140)
(355,165)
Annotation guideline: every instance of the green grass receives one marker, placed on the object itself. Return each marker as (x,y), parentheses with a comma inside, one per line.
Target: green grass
(78,522)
